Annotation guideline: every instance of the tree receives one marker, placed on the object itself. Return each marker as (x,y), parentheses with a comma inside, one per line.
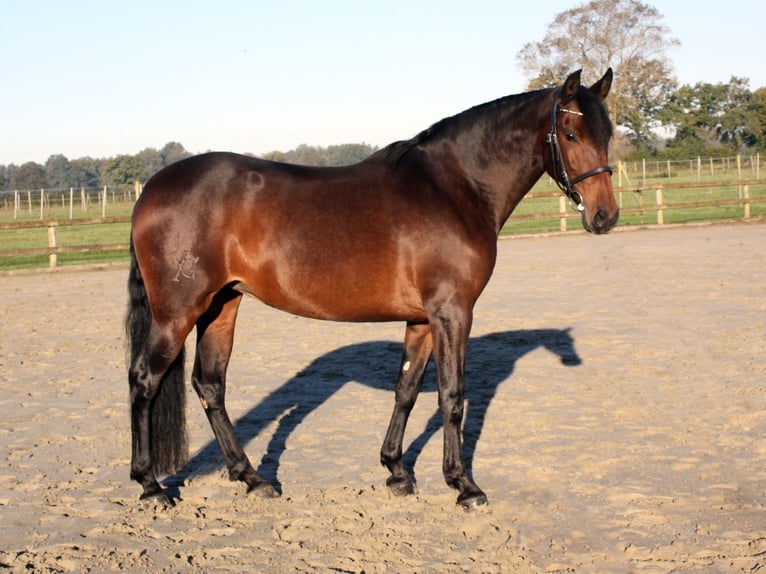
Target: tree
(334,155)
(30,175)
(758,106)
(346,154)
(58,172)
(626,35)
(124,169)
(275,156)
(86,172)
(6,175)
(720,114)
(152,160)
(306,155)
(172,152)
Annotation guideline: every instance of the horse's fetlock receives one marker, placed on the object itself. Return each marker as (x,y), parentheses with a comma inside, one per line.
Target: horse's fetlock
(241,470)
(391,458)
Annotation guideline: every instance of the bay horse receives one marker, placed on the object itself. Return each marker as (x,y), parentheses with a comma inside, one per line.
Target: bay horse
(408,234)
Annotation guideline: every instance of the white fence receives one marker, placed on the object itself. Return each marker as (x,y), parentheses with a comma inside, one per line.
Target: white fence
(44,203)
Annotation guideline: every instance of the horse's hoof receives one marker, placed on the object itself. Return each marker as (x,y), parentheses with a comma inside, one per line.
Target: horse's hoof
(472,501)
(400,486)
(263,490)
(159,497)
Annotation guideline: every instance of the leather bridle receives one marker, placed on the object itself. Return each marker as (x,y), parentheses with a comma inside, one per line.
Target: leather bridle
(560,175)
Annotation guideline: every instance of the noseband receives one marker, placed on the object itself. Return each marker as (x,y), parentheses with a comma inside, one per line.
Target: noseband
(560,175)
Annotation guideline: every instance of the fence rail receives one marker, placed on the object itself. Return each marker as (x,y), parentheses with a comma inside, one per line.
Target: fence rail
(656,195)
(53,250)
(745,200)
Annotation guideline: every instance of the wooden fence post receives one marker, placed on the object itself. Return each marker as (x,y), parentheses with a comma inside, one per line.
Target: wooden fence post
(52,258)
(660,214)
(746,197)
(739,174)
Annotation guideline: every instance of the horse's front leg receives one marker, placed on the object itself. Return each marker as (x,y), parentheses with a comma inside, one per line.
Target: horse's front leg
(451,327)
(418,346)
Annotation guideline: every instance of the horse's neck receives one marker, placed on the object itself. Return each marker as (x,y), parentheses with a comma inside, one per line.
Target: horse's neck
(501,156)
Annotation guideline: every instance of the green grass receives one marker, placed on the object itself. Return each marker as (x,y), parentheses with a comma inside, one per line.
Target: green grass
(66,236)
(63,259)
(639,208)
(69,236)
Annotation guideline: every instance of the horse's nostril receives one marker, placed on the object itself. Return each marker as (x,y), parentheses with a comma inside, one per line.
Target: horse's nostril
(601,222)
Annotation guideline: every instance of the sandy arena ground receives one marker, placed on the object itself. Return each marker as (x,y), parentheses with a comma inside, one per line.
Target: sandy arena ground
(616,420)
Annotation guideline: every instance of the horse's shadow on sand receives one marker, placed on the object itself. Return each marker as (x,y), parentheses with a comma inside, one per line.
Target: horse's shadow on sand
(491,360)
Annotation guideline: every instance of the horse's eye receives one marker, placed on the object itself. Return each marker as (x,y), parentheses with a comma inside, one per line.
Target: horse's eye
(571,138)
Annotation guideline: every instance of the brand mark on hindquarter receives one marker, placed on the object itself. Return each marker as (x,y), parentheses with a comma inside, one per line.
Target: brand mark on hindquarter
(186,267)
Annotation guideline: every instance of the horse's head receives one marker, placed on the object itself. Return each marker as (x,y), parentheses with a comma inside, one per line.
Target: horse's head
(578,150)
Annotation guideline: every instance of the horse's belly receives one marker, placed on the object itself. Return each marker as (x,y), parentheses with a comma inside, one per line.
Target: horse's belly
(335,297)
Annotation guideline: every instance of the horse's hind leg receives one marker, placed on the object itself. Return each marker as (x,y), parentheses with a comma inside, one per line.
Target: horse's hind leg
(215,335)
(418,346)
(156,383)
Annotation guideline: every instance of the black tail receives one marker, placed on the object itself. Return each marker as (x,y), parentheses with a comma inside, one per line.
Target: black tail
(169,446)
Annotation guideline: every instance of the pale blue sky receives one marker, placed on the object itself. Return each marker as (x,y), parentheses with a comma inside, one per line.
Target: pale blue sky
(101,78)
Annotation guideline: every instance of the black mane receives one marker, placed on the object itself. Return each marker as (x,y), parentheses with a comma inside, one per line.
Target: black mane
(491,112)
(494,113)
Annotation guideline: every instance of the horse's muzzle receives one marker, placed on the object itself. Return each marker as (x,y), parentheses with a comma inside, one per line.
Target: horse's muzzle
(601,222)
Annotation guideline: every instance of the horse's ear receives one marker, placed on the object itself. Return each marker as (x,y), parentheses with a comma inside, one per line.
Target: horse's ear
(602,87)
(570,87)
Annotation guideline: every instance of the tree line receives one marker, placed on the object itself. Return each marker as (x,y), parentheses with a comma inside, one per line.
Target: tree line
(58,172)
